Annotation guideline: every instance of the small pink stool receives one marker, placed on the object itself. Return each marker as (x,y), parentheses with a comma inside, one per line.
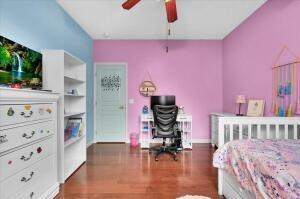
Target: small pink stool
(134,139)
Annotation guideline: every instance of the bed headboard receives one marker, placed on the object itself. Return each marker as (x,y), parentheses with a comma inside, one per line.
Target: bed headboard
(232,128)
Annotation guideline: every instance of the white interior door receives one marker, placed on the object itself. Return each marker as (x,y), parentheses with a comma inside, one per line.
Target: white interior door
(110,102)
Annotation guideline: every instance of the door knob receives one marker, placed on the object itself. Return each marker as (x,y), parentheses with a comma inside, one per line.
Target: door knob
(121,107)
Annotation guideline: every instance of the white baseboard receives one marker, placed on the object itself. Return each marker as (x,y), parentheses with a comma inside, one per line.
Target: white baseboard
(201,141)
(51,192)
(89,144)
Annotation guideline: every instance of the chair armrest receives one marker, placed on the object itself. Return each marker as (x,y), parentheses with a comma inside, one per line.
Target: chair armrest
(176,128)
(153,129)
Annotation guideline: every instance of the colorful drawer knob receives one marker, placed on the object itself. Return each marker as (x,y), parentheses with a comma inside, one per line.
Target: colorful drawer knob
(41,111)
(10,112)
(27,107)
(39,150)
(49,110)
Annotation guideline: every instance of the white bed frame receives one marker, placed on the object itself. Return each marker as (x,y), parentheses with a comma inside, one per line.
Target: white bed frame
(231,128)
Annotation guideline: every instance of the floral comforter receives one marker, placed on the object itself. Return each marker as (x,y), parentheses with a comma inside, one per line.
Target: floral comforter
(267,168)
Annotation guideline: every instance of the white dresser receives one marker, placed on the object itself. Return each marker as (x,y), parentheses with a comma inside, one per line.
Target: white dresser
(28,144)
(214,124)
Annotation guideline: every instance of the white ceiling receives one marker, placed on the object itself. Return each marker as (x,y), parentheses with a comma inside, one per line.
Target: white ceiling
(197,19)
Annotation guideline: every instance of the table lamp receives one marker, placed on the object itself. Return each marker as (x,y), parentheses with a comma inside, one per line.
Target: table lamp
(240,99)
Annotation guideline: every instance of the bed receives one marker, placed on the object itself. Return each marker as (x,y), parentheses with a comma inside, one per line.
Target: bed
(251,127)
(259,166)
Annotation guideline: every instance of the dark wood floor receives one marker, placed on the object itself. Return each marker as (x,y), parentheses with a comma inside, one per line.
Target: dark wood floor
(118,171)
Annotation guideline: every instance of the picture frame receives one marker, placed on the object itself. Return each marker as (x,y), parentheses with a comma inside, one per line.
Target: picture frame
(256,108)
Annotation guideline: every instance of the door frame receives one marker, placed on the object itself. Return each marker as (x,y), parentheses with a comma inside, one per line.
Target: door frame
(102,64)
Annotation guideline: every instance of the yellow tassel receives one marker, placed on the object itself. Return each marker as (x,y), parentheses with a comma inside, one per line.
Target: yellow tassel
(289,111)
(273,108)
(276,109)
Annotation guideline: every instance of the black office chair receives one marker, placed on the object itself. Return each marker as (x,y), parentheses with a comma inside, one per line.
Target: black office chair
(165,126)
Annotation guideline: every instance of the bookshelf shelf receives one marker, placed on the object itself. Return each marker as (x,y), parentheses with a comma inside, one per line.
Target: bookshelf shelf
(73,140)
(73,79)
(72,95)
(71,114)
(63,73)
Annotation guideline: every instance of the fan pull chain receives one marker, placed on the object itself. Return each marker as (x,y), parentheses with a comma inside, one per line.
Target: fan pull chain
(168,37)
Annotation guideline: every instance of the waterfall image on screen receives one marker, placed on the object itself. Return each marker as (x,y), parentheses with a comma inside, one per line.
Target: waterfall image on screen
(20,65)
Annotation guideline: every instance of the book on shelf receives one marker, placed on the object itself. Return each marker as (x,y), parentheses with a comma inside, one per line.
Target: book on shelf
(74,128)
(146,127)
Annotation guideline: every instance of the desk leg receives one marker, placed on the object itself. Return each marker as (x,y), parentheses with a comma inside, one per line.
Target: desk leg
(183,140)
(141,134)
(149,132)
(191,134)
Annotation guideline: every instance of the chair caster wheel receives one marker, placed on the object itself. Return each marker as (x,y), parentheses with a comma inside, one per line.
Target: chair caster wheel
(150,152)
(176,159)
(156,159)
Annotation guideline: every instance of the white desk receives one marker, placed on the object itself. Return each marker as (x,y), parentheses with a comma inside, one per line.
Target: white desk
(185,124)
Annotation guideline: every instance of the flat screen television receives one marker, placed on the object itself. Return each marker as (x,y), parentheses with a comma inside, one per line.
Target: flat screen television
(20,67)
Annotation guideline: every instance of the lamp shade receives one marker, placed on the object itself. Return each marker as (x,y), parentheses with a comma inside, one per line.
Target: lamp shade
(240,99)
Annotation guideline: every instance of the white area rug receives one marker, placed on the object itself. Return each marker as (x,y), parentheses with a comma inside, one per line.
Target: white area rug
(193,197)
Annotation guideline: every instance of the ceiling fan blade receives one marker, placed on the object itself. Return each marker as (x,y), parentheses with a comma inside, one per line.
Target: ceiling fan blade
(171,10)
(129,4)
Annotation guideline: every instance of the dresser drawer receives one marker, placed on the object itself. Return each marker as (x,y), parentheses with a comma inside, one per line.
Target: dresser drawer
(17,184)
(37,190)
(14,162)
(18,136)
(18,113)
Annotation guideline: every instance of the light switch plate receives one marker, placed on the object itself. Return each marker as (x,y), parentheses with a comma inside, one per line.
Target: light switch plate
(131,101)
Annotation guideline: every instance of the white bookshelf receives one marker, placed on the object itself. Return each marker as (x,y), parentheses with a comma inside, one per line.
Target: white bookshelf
(63,72)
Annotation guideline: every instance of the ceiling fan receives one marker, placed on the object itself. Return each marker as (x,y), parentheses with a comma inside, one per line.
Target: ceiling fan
(170,8)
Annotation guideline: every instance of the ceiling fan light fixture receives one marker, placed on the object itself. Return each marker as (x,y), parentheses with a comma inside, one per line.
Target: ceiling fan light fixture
(171,10)
(127,5)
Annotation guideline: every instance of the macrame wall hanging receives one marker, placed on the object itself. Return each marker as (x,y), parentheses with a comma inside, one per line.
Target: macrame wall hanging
(147,87)
(111,83)
(286,96)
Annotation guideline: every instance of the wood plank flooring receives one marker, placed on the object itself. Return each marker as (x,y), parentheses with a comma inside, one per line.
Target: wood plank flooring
(118,171)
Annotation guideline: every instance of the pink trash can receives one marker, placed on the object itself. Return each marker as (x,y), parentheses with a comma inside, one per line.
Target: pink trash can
(134,139)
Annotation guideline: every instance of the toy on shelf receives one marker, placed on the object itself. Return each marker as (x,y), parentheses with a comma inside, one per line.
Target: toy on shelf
(73,128)
(145,109)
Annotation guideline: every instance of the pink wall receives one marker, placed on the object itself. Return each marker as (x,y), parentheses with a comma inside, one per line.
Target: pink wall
(250,51)
(192,70)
